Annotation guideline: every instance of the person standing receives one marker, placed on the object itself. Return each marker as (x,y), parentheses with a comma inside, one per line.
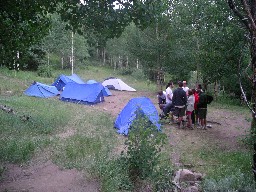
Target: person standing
(202,108)
(185,87)
(194,115)
(169,92)
(179,101)
(190,107)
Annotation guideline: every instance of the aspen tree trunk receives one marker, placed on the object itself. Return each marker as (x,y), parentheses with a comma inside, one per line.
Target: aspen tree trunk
(216,90)
(104,56)
(62,62)
(97,50)
(72,53)
(127,62)
(119,62)
(247,16)
(253,124)
(197,64)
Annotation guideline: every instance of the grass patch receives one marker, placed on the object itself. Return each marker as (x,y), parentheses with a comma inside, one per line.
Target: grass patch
(227,171)
(78,151)
(20,150)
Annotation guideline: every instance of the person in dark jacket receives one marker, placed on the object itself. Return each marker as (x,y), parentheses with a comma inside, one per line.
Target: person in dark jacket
(202,109)
(179,101)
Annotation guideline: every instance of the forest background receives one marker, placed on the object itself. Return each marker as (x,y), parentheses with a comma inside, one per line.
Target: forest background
(199,41)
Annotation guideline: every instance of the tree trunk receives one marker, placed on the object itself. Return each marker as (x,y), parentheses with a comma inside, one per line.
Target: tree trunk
(253,124)
(119,62)
(62,62)
(216,90)
(127,62)
(104,56)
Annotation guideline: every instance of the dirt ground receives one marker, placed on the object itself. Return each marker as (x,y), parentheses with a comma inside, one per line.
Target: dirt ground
(227,128)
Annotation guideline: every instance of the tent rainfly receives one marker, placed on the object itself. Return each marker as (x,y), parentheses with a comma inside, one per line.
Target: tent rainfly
(117,84)
(62,80)
(83,93)
(106,91)
(37,89)
(139,105)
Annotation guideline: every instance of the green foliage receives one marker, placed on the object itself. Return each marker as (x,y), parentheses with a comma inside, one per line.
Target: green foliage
(125,71)
(234,182)
(2,170)
(232,171)
(140,163)
(144,144)
(139,74)
(113,174)
(44,71)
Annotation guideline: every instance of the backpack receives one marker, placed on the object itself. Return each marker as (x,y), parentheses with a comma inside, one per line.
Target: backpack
(209,99)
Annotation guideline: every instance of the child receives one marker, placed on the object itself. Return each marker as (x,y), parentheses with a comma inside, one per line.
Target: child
(190,107)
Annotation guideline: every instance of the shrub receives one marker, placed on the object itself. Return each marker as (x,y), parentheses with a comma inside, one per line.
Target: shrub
(138,74)
(144,144)
(44,71)
(125,71)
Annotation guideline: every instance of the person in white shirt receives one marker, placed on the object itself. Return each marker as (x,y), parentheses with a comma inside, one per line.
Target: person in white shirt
(185,88)
(168,106)
(169,93)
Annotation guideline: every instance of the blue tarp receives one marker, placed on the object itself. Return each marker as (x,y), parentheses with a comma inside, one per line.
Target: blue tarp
(106,91)
(62,80)
(83,93)
(128,114)
(41,90)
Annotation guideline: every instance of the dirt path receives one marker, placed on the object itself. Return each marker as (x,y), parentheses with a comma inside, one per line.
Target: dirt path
(47,177)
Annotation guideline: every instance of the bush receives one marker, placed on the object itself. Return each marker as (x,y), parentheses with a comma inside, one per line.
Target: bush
(144,144)
(44,71)
(125,71)
(138,74)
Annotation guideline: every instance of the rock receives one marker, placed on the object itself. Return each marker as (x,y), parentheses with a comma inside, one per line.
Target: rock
(198,176)
(190,189)
(186,175)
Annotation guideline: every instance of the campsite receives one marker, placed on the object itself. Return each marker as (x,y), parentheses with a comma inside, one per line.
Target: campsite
(128,95)
(66,144)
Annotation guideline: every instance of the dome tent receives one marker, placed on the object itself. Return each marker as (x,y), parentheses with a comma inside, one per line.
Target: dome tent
(139,105)
(116,84)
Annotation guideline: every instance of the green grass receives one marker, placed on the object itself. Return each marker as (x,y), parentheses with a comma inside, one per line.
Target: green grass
(228,171)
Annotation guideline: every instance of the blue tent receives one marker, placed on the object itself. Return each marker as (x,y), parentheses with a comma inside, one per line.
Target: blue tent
(91,81)
(83,93)
(142,105)
(106,91)
(62,80)
(41,90)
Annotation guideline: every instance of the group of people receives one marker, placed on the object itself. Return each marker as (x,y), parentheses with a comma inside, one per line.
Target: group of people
(183,101)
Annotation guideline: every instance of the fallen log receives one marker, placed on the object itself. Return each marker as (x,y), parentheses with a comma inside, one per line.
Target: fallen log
(214,122)
(7,109)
